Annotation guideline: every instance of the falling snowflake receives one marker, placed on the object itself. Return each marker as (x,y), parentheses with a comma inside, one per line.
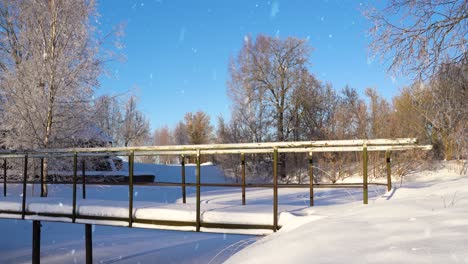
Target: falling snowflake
(274,9)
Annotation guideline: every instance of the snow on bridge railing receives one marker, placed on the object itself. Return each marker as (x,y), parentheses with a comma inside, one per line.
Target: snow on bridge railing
(275,148)
(234,146)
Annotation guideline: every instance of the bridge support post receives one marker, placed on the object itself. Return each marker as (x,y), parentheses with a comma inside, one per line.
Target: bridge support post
(243,177)
(275,190)
(389,170)
(131,159)
(311,180)
(42,178)
(36,242)
(364,175)
(25,178)
(4,177)
(89,243)
(83,175)
(184,192)
(75,168)
(198,220)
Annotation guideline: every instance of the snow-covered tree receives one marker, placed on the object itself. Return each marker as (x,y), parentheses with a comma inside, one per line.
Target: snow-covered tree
(49,67)
(109,116)
(49,64)
(135,127)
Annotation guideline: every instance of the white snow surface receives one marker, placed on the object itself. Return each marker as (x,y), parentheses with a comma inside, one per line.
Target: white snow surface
(421,221)
(256,214)
(64,242)
(424,220)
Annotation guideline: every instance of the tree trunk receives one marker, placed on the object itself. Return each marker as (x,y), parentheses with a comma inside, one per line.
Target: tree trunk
(280,132)
(51,78)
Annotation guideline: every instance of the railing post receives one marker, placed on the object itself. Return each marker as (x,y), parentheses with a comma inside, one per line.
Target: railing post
(4,177)
(83,175)
(389,170)
(275,189)
(89,243)
(184,192)
(75,169)
(88,227)
(198,220)
(25,178)
(243,177)
(36,242)
(42,178)
(364,175)
(131,159)
(311,180)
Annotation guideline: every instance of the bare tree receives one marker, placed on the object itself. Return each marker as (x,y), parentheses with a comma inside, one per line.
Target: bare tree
(135,127)
(162,137)
(108,116)
(199,129)
(270,71)
(350,117)
(229,133)
(442,103)
(180,134)
(264,81)
(316,105)
(379,114)
(407,120)
(419,36)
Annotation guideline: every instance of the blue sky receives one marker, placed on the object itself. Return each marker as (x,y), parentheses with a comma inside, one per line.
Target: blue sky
(177,51)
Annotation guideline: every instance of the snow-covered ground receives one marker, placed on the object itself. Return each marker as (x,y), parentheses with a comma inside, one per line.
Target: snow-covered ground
(64,243)
(422,221)
(425,220)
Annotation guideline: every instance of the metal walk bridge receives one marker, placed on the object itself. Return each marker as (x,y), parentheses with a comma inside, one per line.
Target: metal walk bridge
(187,215)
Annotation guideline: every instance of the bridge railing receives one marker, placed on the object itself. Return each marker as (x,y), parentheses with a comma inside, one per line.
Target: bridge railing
(274,148)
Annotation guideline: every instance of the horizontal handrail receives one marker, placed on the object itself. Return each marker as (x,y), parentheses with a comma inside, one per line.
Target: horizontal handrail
(86,153)
(193,184)
(255,147)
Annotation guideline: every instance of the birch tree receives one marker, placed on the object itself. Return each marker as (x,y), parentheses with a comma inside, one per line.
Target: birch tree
(49,66)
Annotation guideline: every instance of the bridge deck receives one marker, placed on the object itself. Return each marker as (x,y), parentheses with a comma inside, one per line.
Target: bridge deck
(224,218)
